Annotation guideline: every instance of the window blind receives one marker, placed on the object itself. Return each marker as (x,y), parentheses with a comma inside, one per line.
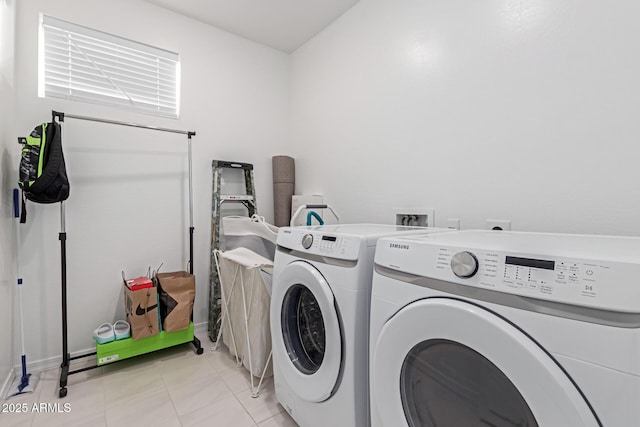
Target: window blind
(82,64)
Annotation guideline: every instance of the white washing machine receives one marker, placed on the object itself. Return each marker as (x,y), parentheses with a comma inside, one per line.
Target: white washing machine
(506,329)
(320,320)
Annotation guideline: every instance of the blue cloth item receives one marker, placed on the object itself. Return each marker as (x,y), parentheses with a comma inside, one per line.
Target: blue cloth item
(313,214)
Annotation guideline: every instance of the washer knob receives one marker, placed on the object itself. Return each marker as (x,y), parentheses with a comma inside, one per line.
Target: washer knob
(307,241)
(464,264)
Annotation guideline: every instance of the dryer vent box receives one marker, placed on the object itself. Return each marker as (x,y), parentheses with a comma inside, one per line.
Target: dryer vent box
(415,217)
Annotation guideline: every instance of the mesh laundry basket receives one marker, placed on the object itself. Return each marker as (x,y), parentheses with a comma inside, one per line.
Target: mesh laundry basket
(245,327)
(245,270)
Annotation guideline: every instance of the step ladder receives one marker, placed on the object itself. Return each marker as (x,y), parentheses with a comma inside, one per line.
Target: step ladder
(248,200)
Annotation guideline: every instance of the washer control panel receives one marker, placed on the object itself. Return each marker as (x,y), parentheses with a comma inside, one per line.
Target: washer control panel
(320,243)
(550,276)
(595,271)
(561,279)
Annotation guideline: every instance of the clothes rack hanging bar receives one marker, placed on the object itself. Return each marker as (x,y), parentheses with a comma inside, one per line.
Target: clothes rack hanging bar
(66,357)
(61,117)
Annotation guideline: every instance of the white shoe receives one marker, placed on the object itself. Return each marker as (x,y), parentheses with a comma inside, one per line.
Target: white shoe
(104,333)
(122,330)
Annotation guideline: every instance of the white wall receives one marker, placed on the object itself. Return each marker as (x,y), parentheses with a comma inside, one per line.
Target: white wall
(495,109)
(128,201)
(7,182)
(522,110)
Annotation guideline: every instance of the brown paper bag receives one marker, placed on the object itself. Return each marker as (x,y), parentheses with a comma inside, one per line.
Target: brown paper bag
(177,293)
(141,307)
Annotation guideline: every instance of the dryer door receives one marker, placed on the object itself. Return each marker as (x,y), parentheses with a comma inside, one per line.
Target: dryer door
(307,343)
(447,362)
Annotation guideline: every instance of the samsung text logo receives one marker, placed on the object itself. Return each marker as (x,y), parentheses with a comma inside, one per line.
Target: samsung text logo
(398,246)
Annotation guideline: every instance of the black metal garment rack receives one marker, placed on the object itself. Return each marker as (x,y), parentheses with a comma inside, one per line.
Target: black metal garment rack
(66,357)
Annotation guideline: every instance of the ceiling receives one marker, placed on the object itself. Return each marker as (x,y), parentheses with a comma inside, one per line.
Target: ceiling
(281,24)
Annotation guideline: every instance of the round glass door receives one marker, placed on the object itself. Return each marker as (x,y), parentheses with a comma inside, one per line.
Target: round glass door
(438,375)
(447,362)
(303,329)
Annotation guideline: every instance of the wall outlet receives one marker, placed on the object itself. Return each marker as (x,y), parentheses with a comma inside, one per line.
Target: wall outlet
(453,224)
(415,217)
(499,224)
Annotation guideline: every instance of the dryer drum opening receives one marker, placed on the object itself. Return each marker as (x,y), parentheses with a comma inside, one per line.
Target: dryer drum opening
(438,375)
(303,329)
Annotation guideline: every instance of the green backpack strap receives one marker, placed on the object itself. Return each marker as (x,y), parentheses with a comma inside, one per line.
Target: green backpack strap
(50,157)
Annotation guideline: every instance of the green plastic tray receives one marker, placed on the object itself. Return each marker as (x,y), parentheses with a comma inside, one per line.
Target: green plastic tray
(124,349)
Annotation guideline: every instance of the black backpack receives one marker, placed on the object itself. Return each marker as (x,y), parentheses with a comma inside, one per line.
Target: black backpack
(43,176)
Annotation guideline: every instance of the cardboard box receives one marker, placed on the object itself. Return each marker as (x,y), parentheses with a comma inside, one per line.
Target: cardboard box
(139,283)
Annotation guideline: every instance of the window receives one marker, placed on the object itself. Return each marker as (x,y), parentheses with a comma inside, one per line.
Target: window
(81,64)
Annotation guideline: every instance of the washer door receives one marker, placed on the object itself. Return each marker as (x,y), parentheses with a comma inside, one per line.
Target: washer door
(446,362)
(307,343)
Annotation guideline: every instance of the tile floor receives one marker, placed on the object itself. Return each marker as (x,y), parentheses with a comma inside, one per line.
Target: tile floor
(172,387)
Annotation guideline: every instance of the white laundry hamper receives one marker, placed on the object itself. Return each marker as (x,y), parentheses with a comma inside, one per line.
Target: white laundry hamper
(245,270)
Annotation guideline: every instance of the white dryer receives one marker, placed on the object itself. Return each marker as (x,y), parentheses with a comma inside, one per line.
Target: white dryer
(506,329)
(320,320)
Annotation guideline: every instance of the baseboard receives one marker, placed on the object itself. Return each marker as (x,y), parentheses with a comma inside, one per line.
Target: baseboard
(7,383)
(51,362)
(201,330)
